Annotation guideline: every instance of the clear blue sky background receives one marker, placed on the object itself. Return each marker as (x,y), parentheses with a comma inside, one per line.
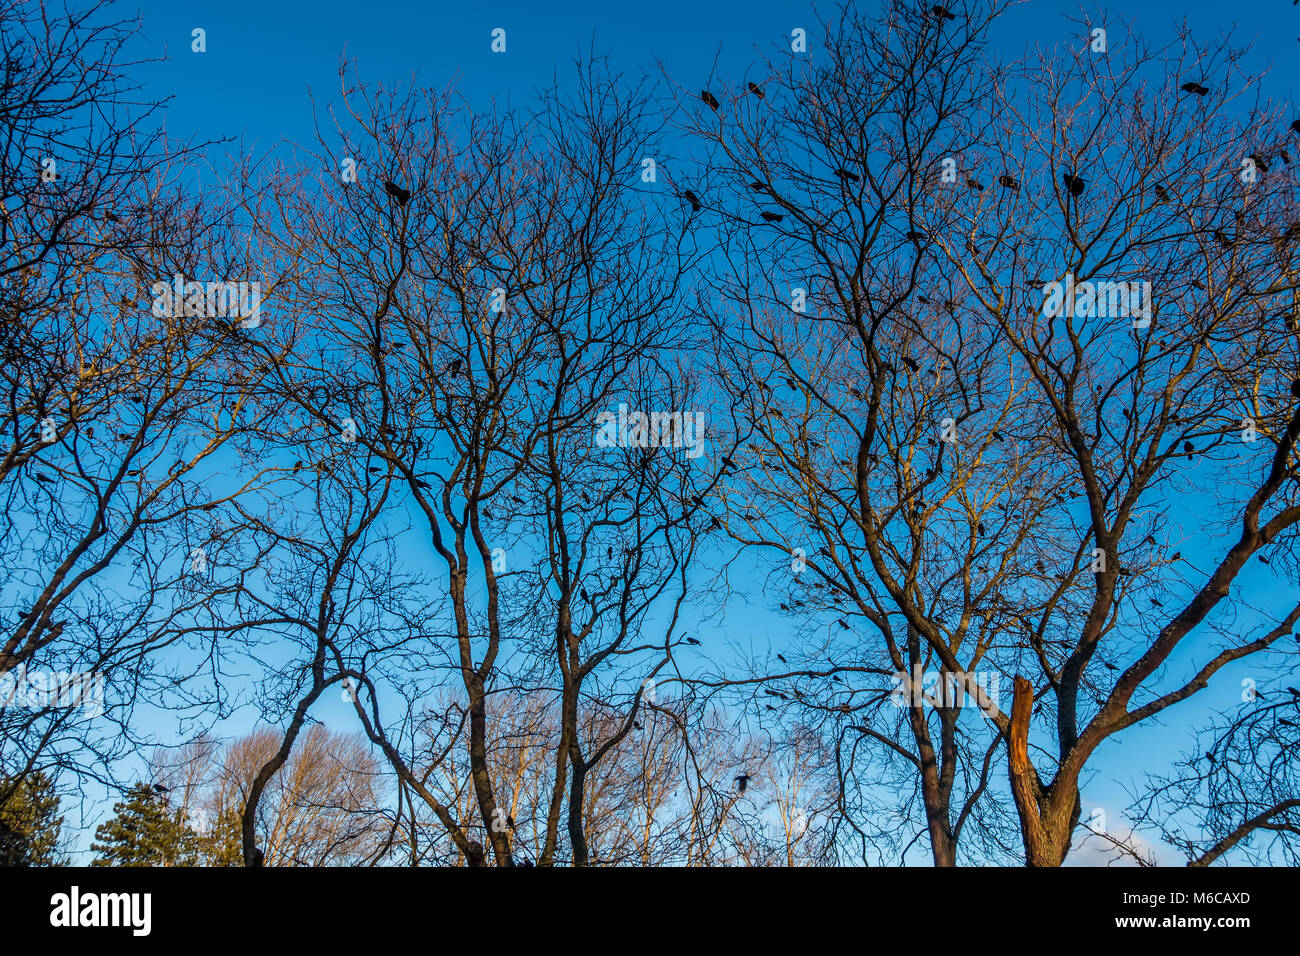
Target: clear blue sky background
(265,60)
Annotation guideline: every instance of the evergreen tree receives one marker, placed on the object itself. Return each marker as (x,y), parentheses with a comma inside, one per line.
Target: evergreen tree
(30,825)
(223,844)
(145,831)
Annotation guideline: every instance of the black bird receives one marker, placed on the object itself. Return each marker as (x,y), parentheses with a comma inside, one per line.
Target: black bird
(1161,194)
(846,175)
(844,625)
(1074,184)
(1294,692)
(159,788)
(742,781)
(758,187)
(1210,757)
(1295,387)
(916,237)
(1259,161)
(693,199)
(1006,182)
(974,184)
(510,821)
(454,368)
(1286,157)
(773,216)
(691,640)
(911,363)
(942,12)
(258,856)
(709,98)
(1225,240)
(980,527)
(1196,88)
(1295,127)
(781,659)
(755,89)
(1188,448)
(402,196)
(1156,603)
(585,595)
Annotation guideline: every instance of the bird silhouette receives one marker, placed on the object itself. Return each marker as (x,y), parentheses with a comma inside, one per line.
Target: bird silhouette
(1074,184)
(782,659)
(693,199)
(709,98)
(1196,88)
(758,187)
(402,196)
(755,89)
(942,12)
(1007,182)
(974,184)
(742,781)
(1161,193)
(1295,127)
(846,175)
(1259,161)
(1188,448)
(772,216)
(1295,387)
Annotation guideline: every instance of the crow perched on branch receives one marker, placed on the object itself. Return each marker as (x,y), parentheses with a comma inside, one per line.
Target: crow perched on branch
(403,196)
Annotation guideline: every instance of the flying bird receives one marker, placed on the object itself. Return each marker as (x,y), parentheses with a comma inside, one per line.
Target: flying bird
(742,781)
(402,196)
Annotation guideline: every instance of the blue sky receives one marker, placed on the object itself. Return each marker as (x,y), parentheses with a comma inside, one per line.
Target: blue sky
(266,61)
